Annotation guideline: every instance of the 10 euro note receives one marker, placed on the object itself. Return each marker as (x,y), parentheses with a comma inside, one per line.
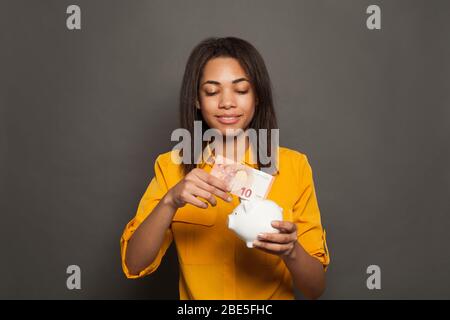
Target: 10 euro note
(244,181)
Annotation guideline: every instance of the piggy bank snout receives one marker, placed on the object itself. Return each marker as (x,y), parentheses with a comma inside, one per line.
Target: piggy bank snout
(234,219)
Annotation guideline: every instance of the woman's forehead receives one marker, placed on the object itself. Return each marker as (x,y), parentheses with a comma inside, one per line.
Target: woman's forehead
(223,70)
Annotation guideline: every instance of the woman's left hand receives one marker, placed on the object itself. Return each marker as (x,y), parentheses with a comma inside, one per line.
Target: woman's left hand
(281,244)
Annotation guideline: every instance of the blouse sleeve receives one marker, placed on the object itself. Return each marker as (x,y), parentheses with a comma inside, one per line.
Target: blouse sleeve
(153,194)
(306,215)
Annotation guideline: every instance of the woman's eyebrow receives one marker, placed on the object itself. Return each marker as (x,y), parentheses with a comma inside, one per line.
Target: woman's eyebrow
(239,80)
(218,83)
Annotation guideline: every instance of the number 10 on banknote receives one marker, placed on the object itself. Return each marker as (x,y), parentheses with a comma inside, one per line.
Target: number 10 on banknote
(245,182)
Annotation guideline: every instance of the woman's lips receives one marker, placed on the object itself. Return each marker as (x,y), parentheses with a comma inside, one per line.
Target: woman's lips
(228,119)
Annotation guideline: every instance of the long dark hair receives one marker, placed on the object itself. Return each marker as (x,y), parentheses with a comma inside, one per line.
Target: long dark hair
(255,68)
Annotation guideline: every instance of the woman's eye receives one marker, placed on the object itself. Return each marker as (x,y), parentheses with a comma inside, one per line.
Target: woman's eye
(211,93)
(242,92)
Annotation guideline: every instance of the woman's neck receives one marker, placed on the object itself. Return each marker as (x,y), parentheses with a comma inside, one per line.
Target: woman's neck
(233,147)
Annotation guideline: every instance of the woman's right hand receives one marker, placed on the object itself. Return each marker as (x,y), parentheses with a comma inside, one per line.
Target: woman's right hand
(198,183)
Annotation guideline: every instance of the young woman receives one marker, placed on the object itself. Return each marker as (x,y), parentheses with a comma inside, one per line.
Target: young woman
(226,86)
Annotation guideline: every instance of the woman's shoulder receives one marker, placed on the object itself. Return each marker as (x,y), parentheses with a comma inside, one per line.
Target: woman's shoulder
(291,154)
(169,158)
(167,167)
(293,161)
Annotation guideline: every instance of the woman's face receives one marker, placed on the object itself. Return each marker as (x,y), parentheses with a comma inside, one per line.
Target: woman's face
(226,96)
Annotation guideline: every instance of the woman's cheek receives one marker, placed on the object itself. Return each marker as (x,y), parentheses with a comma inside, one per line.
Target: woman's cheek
(209,105)
(247,105)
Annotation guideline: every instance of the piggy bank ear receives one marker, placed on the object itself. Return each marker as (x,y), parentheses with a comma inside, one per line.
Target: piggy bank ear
(247,205)
(238,210)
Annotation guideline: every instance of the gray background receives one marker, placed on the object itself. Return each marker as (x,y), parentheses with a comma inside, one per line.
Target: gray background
(84,114)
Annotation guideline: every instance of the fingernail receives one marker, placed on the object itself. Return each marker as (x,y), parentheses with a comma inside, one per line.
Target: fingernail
(261,236)
(256,243)
(229,199)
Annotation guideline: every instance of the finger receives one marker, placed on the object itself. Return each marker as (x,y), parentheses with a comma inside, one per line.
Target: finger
(211,180)
(205,195)
(278,237)
(196,202)
(276,248)
(284,226)
(264,250)
(221,194)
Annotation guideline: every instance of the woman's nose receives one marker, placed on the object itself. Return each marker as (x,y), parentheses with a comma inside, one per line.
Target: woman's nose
(227,100)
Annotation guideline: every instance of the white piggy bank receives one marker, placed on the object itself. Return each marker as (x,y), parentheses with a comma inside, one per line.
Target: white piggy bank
(252,217)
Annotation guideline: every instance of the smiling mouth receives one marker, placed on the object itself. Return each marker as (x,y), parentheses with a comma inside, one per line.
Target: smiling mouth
(228,119)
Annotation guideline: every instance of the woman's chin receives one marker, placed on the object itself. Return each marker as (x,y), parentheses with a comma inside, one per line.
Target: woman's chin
(230,131)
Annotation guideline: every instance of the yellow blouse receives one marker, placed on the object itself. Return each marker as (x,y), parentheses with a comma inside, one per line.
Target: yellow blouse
(214,262)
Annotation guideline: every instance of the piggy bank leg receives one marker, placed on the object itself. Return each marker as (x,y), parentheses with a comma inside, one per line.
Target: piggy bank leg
(249,244)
